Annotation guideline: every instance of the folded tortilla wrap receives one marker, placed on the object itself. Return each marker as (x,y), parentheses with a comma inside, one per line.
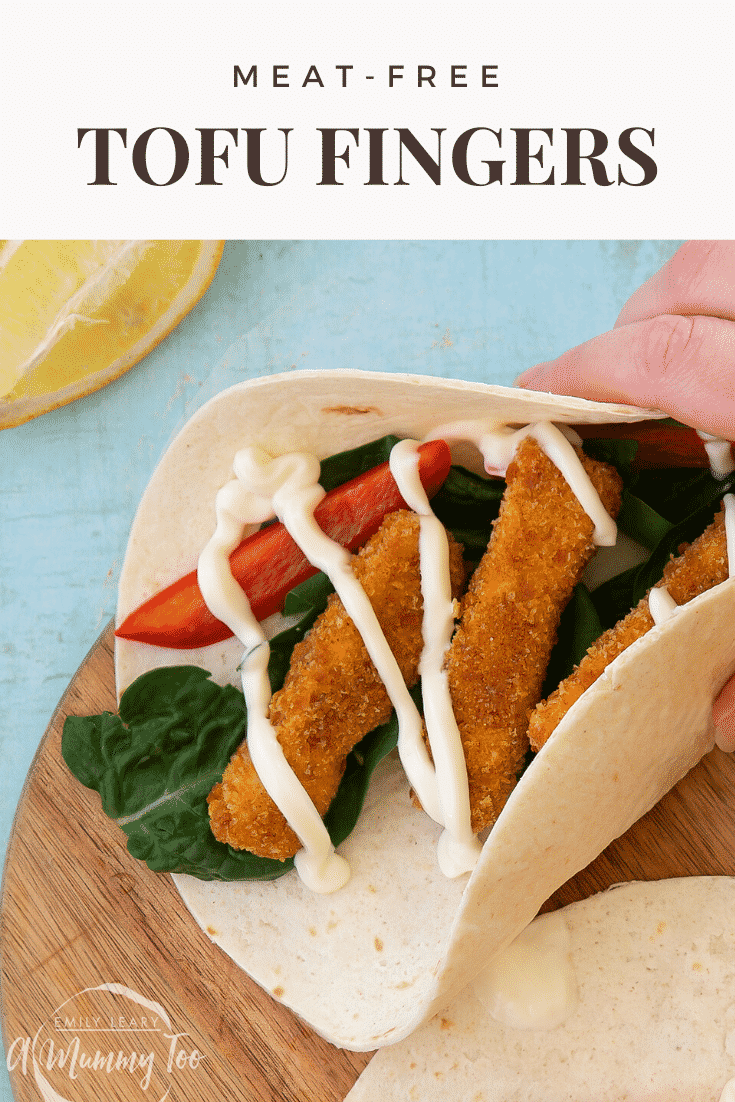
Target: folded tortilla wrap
(654,1020)
(367,964)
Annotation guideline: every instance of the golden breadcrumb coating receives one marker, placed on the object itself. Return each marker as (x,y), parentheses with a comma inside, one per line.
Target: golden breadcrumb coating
(540,544)
(332,696)
(702,565)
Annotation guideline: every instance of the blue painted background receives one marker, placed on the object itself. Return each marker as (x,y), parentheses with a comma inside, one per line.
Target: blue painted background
(70,480)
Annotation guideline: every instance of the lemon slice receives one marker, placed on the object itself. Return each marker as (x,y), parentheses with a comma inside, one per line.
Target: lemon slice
(76,314)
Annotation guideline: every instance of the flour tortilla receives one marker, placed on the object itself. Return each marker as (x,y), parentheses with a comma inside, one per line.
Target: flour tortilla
(366,965)
(655,1021)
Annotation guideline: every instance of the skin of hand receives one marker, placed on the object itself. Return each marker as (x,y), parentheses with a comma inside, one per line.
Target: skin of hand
(672,348)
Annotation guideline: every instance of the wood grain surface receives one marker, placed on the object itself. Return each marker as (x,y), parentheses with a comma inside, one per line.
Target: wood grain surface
(79,912)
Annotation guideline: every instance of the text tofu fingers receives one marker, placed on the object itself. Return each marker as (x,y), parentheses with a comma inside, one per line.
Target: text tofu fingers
(702,565)
(332,696)
(541,543)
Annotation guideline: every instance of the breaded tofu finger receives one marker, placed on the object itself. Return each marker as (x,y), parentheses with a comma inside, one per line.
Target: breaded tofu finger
(541,543)
(702,565)
(332,696)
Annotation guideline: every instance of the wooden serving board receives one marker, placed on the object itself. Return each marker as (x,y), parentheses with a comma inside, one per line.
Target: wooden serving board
(78,912)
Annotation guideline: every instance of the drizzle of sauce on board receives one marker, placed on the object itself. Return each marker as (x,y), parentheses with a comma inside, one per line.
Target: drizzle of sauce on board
(532,983)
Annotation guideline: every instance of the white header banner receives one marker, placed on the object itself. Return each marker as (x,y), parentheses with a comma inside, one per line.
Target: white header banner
(400,120)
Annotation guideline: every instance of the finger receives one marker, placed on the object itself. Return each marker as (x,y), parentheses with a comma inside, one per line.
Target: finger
(699,279)
(723,714)
(681,365)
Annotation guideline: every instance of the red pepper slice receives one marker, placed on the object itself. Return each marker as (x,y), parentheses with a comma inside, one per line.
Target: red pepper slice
(659,444)
(269,563)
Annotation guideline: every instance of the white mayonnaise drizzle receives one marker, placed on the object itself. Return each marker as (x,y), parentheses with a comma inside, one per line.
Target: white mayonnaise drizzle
(719,453)
(297,515)
(287,487)
(458,849)
(497,444)
(532,984)
(661,604)
(262,486)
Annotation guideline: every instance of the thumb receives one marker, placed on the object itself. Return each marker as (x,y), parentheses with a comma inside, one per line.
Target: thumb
(684,366)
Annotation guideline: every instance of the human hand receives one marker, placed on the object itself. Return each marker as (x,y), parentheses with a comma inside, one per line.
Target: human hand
(672,348)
